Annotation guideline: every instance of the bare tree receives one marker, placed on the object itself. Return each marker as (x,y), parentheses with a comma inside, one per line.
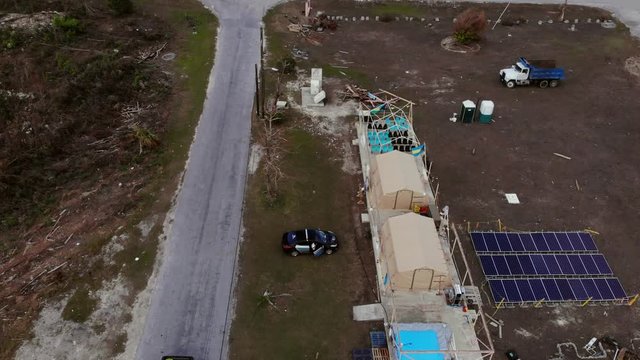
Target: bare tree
(272,140)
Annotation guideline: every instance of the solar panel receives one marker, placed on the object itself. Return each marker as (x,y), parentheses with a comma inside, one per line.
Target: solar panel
(519,242)
(544,265)
(529,290)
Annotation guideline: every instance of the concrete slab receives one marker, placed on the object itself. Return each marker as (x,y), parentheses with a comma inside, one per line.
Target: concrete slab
(315,86)
(307,98)
(369,312)
(319,97)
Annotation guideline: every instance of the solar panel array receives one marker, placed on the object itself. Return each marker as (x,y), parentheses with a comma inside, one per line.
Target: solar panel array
(556,289)
(545,266)
(533,242)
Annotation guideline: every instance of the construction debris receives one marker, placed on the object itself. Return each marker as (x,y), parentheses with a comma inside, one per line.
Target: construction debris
(296,28)
(355,92)
(318,24)
(322,22)
(314,95)
(364,96)
(301,54)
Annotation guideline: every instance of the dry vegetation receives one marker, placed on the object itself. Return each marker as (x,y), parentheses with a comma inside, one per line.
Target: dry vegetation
(89,103)
(469,26)
(93,124)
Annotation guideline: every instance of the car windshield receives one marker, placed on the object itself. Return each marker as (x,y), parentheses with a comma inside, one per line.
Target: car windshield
(321,236)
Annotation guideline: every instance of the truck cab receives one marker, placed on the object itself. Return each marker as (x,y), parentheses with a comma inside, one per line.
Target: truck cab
(517,74)
(543,73)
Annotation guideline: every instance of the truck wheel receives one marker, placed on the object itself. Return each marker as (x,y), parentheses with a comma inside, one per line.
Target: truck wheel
(554,83)
(511,84)
(543,84)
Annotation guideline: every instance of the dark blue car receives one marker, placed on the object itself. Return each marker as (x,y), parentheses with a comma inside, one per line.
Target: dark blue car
(309,241)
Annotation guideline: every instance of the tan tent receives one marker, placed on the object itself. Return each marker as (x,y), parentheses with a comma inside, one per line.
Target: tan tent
(413,254)
(395,182)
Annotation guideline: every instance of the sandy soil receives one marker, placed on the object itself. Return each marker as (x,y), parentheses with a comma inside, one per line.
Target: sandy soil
(113,322)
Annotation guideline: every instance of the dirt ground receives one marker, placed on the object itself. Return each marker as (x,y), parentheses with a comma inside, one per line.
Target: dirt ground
(591,118)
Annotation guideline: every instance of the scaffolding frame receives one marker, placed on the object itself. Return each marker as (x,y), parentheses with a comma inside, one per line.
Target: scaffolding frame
(378,108)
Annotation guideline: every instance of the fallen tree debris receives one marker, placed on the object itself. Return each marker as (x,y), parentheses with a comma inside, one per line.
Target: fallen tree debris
(57,267)
(150,53)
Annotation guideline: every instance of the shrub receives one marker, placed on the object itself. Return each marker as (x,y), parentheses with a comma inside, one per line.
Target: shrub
(465,37)
(121,7)
(67,24)
(66,65)
(469,26)
(10,39)
(287,65)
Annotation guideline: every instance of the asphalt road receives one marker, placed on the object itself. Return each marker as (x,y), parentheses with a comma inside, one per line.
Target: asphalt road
(189,311)
(189,307)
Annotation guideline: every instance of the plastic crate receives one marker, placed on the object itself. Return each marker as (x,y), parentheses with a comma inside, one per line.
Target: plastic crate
(361,354)
(378,339)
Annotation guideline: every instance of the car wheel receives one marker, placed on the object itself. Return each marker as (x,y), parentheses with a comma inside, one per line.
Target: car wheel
(329,251)
(295,253)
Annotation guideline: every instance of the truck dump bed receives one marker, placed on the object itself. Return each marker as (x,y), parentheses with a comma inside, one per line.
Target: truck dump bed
(547,64)
(543,69)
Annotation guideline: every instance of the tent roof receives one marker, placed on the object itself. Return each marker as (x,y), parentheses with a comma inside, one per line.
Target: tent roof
(399,171)
(416,243)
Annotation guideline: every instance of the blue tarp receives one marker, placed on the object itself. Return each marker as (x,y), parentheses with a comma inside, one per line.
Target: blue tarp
(417,340)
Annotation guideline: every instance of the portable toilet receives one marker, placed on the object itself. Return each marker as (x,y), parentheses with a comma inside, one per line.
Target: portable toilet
(486,112)
(467,111)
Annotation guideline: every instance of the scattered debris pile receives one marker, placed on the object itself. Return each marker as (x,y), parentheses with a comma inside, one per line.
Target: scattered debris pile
(321,22)
(364,96)
(317,23)
(308,25)
(300,54)
(355,92)
(150,53)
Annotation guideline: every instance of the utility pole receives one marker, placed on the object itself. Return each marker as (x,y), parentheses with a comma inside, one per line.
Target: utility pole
(262,84)
(257,93)
(564,7)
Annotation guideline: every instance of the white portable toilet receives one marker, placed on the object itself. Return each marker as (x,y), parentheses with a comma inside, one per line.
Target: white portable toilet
(486,112)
